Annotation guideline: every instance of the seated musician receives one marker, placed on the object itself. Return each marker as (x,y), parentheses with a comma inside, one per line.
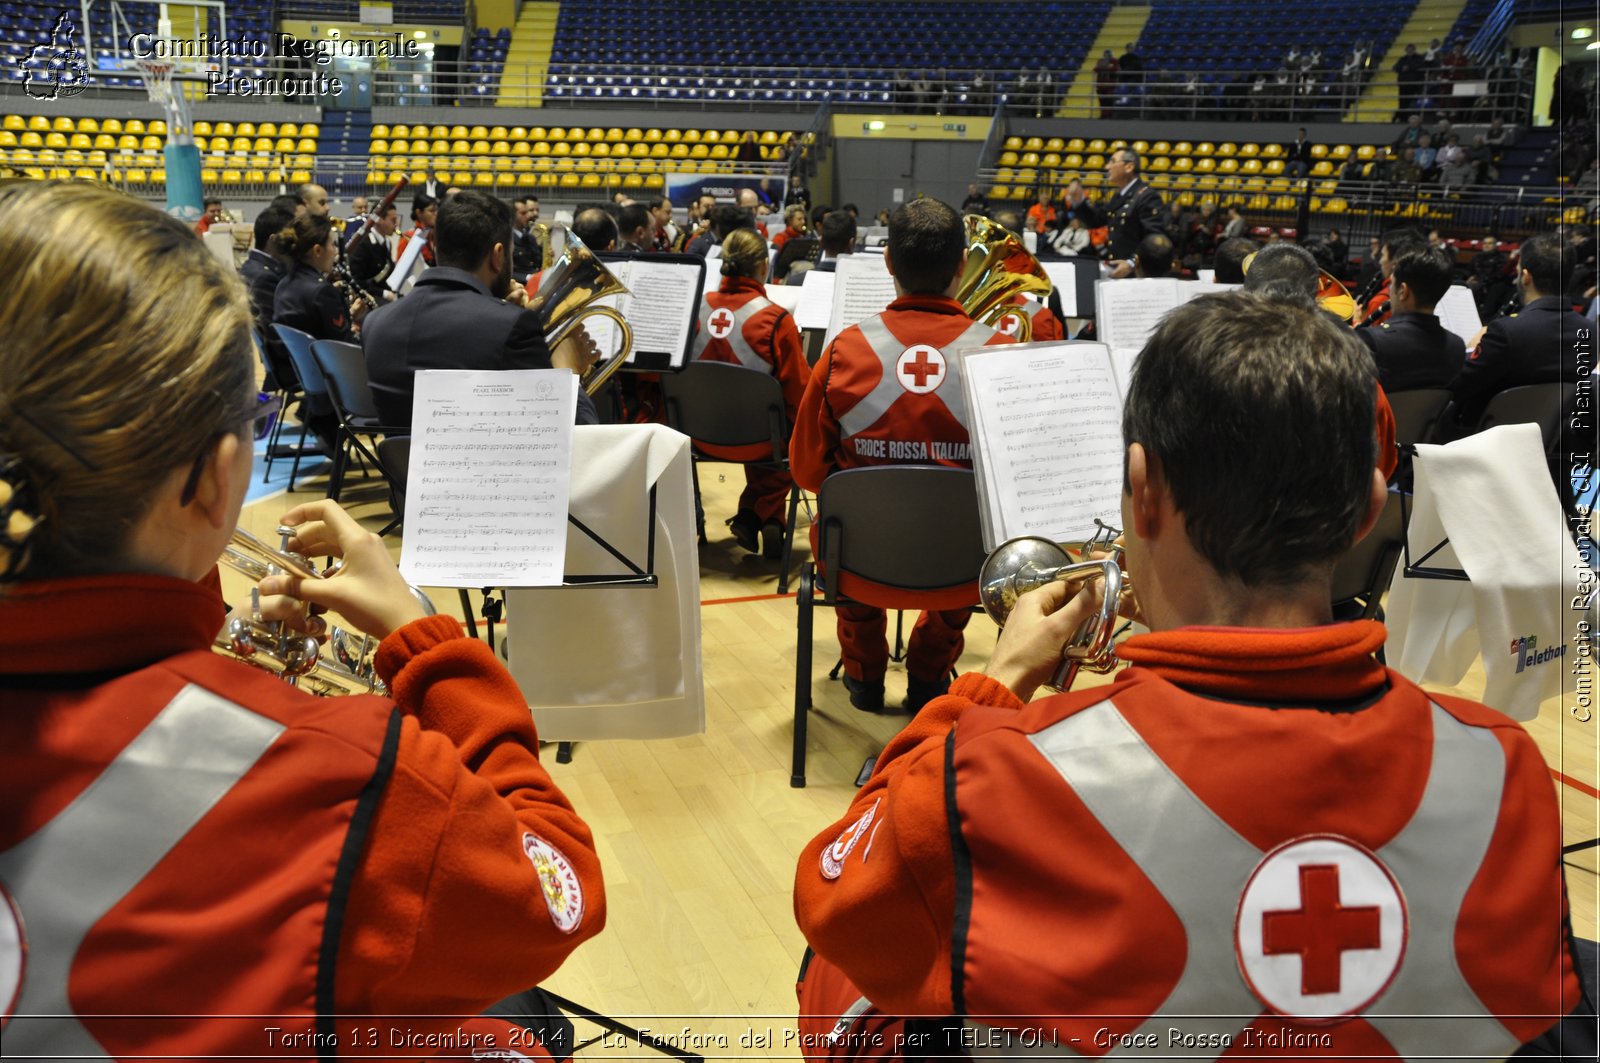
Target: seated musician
(306,298)
(1254,830)
(885,392)
(189,838)
(739,324)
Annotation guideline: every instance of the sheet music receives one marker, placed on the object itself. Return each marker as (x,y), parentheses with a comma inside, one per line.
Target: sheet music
(861,289)
(1046,424)
(660,307)
(1064,275)
(786,295)
(1458,313)
(488,490)
(402,272)
(1127,311)
(816,300)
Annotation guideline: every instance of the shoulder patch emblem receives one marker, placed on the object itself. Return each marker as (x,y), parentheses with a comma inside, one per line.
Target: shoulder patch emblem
(1321,929)
(13,955)
(920,369)
(563,893)
(833,856)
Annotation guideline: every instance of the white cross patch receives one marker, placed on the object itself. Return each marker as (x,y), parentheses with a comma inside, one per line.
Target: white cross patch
(720,323)
(1009,325)
(920,369)
(13,955)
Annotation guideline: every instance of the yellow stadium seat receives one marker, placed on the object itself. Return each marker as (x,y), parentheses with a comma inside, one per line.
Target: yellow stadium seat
(223,129)
(39,123)
(720,151)
(479,147)
(1249,151)
(1340,151)
(245,129)
(659,150)
(690,136)
(13,123)
(1097,146)
(310,130)
(655,180)
(1141,146)
(8,139)
(484,180)
(1182,147)
(540,148)
(681,150)
(379,131)
(1075,144)
(1159,164)
(580,149)
(306,144)
(1205,147)
(64,125)
(81,141)
(1255,184)
(1029,158)
(516,133)
(651,136)
(55,140)
(232,177)
(435,132)
(699,151)
(1366,152)
(137,177)
(238,144)
(478,132)
(381,147)
(568,180)
(1205,165)
(1094,162)
(499,132)
(561,148)
(458,132)
(30,139)
(500,147)
(1033,144)
(672,136)
(1250,166)
(261,144)
(1051,161)
(1322,169)
(613,136)
(1226,150)
(594,134)
(1182,164)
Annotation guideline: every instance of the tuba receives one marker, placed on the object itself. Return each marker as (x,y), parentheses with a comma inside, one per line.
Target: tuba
(1027,563)
(998,268)
(569,287)
(343,666)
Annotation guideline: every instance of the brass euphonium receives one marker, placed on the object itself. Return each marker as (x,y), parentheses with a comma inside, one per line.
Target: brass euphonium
(999,268)
(567,290)
(541,236)
(343,666)
(1027,563)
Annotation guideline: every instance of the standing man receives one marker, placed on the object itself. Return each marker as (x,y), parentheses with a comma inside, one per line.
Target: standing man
(1297,156)
(1133,212)
(1243,840)
(1410,70)
(885,392)
(1412,349)
(526,255)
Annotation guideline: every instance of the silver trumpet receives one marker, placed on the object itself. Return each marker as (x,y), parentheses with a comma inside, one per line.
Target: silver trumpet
(343,665)
(1027,563)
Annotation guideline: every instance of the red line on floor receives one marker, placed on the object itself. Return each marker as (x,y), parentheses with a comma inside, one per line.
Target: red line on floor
(1581,787)
(751,598)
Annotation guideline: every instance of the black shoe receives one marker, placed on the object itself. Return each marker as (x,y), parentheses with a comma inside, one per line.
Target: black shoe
(772,540)
(746,530)
(919,693)
(864,695)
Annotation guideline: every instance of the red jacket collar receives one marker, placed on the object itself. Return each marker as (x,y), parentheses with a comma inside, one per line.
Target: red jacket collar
(734,285)
(106,623)
(937,304)
(1329,663)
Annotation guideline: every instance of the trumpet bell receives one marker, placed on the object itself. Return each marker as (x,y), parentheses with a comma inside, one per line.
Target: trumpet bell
(566,296)
(999,267)
(1024,564)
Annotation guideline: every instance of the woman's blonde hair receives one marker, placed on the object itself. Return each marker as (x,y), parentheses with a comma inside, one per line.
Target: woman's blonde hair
(794,211)
(744,253)
(125,352)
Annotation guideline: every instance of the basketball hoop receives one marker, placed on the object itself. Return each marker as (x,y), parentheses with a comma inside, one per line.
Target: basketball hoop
(157,75)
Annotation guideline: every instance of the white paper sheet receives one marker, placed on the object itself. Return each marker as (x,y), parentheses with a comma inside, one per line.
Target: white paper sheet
(1064,275)
(401,277)
(1046,422)
(786,295)
(1128,311)
(862,287)
(816,300)
(488,488)
(660,307)
(1458,313)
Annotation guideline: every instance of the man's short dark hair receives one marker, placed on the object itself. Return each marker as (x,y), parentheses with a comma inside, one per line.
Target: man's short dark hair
(1229,263)
(1284,271)
(1402,239)
(837,232)
(273,220)
(726,217)
(469,226)
(212,201)
(633,216)
(1427,271)
(927,245)
(1549,262)
(285,202)
(1154,255)
(596,228)
(1261,417)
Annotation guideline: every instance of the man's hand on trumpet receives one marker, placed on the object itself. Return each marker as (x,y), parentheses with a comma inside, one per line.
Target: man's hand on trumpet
(1042,622)
(577,352)
(367,589)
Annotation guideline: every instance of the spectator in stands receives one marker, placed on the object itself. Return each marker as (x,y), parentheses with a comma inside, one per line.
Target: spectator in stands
(1407,171)
(1200,238)
(1130,67)
(1072,239)
(1042,215)
(1426,156)
(1297,156)
(1229,263)
(976,202)
(1371,265)
(1412,348)
(1105,82)
(314,199)
(371,260)
(794,219)
(1497,135)
(1155,256)
(457,316)
(1480,158)
(1455,168)
(666,233)
(836,238)
(1133,212)
(749,149)
(636,228)
(1236,225)
(596,228)
(1410,71)
(213,214)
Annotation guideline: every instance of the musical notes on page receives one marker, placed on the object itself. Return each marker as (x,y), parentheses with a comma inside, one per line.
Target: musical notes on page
(1046,424)
(862,287)
(816,300)
(1128,311)
(488,487)
(1458,313)
(660,307)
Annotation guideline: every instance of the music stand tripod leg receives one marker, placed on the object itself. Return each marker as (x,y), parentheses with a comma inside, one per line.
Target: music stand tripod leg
(622,1029)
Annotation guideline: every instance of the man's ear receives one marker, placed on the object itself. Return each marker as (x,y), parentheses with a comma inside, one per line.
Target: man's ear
(1377,495)
(1146,487)
(497,257)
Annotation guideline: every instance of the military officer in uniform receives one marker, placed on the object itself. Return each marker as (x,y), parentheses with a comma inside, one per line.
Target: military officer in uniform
(1133,212)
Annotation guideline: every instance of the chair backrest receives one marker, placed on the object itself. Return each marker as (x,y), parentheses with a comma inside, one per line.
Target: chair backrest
(1367,567)
(726,405)
(395,454)
(344,367)
(298,345)
(1545,405)
(913,527)
(1416,411)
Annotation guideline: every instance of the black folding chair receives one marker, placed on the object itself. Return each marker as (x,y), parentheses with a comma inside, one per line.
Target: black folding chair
(1362,576)
(910,528)
(344,368)
(313,390)
(725,405)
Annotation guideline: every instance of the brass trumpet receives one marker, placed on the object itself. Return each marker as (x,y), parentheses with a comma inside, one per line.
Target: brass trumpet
(564,299)
(343,666)
(998,269)
(1027,563)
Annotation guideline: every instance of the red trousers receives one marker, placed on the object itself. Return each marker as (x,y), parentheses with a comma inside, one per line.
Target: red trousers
(935,644)
(766,493)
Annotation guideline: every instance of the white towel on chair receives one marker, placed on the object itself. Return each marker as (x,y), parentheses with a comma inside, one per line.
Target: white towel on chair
(1492,496)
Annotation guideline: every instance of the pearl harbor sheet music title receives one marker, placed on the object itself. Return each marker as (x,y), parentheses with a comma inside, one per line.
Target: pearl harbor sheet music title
(289,50)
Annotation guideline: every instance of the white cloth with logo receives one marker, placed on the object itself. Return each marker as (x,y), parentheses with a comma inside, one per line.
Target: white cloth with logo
(1492,496)
(617,662)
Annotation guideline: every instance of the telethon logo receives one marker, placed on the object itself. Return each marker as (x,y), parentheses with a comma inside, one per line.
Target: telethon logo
(1528,654)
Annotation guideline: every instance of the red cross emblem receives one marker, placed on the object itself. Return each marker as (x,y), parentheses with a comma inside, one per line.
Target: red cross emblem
(721,323)
(920,369)
(1009,325)
(1321,928)
(13,956)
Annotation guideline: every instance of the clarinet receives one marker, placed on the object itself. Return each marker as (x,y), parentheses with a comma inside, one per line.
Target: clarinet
(1513,305)
(355,295)
(1377,315)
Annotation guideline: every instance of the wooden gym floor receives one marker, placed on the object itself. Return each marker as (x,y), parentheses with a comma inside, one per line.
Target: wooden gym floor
(698,836)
